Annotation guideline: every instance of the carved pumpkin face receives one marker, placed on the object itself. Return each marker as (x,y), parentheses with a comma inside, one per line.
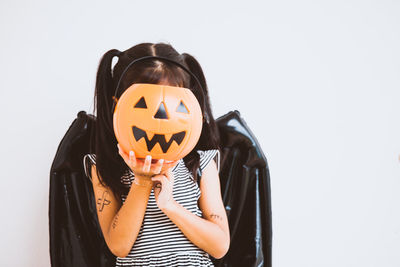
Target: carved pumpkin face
(158,120)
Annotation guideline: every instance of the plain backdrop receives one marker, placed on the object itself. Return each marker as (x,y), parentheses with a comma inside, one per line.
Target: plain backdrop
(317,82)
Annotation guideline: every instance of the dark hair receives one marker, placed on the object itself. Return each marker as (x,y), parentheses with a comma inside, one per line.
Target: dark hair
(109,164)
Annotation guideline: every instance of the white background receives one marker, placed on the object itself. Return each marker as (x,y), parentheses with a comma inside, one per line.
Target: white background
(317,82)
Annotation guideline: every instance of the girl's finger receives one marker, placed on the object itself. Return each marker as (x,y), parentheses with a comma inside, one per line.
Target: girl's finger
(157,190)
(158,166)
(170,176)
(159,178)
(157,183)
(132,158)
(147,164)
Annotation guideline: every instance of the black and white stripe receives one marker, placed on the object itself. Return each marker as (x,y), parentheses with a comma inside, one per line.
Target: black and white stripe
(160,242)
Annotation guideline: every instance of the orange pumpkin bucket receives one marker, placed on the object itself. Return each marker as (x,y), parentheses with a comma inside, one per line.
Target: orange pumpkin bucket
(158,120)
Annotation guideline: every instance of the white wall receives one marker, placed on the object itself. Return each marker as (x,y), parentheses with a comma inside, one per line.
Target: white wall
(317,81)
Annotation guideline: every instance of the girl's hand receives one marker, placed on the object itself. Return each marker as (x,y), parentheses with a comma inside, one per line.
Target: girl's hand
(144,168)
(163,189)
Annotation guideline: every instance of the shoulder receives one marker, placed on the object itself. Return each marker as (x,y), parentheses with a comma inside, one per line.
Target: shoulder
(206,156)
(89,160)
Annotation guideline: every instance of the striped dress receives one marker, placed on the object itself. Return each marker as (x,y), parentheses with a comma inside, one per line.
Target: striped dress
(160,242)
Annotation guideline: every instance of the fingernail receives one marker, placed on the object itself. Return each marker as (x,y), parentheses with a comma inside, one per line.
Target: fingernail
(131,153)
(148,157)
(161,161)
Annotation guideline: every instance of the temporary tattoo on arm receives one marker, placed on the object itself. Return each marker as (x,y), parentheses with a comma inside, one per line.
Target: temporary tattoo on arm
(115,221)
(216,216)
(102,201)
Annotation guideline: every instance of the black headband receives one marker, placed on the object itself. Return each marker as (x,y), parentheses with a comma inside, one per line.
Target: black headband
(169,60)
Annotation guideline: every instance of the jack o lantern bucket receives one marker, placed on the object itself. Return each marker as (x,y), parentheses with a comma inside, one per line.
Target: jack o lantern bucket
(158,120)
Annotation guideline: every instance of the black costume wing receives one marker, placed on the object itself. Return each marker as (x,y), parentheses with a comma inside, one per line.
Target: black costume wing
(75,234)
(246,193)
(76,239)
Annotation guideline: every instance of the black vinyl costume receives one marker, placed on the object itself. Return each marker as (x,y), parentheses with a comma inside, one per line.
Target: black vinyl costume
(76,239)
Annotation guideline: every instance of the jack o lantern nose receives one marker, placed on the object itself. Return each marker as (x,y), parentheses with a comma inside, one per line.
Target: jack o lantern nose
(161,112)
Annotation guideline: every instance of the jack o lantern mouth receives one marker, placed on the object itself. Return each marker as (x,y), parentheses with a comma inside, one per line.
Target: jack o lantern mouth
(158,138)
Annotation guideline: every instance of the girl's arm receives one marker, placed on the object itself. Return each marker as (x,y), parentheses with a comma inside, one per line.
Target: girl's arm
(210,233)
(121,224)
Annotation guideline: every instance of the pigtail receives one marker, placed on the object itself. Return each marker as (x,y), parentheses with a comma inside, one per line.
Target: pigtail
(105,146)
(105,88)
(210,133)
(209,138)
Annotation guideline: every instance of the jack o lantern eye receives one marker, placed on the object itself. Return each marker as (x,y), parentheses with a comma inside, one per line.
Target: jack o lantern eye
(161,112)
(141,103)
(182,108)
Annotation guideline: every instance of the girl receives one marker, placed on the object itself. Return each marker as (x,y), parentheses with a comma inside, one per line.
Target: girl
(153,213)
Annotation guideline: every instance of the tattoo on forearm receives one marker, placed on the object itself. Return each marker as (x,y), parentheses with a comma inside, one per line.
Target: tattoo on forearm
(102,201)
(216,216)
(115,221)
